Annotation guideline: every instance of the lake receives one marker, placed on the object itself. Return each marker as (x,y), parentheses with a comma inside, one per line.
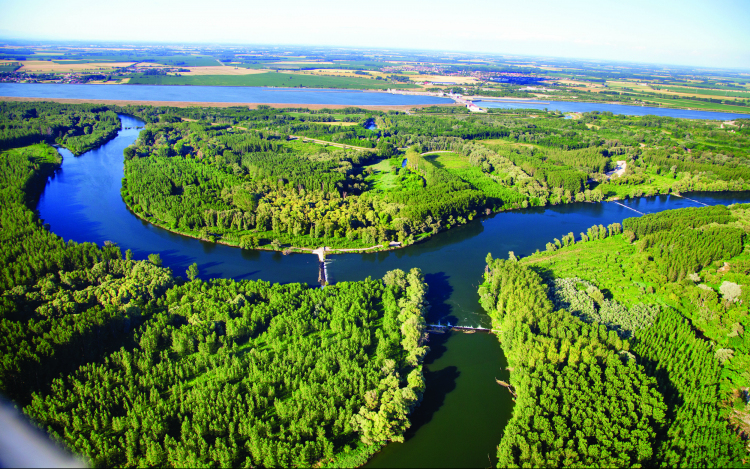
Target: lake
(464,410)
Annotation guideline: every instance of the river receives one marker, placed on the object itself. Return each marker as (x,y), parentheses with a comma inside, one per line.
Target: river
(463,413)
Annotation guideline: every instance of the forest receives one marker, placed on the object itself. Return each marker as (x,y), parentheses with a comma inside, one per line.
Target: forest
(659,303)
(77,127)
(243,177)
(128,364)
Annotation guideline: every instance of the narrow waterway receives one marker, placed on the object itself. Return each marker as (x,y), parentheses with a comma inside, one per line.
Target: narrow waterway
(464,410)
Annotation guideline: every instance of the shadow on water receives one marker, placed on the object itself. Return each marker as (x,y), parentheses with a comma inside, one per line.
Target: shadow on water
(438,347)
(441,383)
(438,295)
(248,275)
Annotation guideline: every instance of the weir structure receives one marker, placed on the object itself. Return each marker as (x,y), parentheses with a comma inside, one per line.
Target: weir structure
(629,208)
(688,198)
(322,270)
(442,328)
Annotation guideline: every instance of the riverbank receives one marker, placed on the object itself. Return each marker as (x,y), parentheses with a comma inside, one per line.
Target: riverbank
(321,252)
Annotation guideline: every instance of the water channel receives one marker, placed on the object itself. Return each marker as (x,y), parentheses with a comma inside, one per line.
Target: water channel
(463,413)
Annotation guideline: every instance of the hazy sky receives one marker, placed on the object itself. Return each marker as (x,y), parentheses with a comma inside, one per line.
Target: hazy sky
(703,33)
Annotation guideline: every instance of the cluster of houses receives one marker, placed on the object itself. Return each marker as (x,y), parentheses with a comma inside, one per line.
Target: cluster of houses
(22,76)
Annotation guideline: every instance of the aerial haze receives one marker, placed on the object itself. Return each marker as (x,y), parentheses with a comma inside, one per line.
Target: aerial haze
(695,33)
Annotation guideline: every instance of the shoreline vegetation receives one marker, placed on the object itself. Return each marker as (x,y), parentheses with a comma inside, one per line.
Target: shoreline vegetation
(393,245)
(614,303)
(269,247)
(270,178)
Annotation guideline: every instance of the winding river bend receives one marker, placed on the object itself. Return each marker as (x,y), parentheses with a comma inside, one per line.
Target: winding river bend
(463,413)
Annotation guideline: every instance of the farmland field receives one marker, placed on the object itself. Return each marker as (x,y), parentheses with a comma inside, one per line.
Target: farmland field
(700,91)
(287,80)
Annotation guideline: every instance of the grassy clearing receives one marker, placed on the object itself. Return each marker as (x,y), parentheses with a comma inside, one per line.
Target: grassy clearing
(659,185)
(449,160)
(382,179)
(285,80)
(298,146)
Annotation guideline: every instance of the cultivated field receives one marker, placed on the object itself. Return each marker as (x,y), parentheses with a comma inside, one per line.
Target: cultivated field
(221,70)
(284,80)
(42,66)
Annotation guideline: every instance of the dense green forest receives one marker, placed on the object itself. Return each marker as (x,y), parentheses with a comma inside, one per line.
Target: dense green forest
(77,127)
(626,342)
(650,317)
(236,175)
(128,364)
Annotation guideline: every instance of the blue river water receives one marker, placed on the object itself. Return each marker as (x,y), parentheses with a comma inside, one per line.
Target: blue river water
(567,106)
(215,94)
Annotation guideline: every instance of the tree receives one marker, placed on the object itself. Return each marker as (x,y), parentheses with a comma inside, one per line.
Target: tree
(730,291)
(192,271)
(155,259)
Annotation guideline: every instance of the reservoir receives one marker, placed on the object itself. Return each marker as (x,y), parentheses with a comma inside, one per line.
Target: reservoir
(247,94)
(464,410)
(568,106)
(216,94)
